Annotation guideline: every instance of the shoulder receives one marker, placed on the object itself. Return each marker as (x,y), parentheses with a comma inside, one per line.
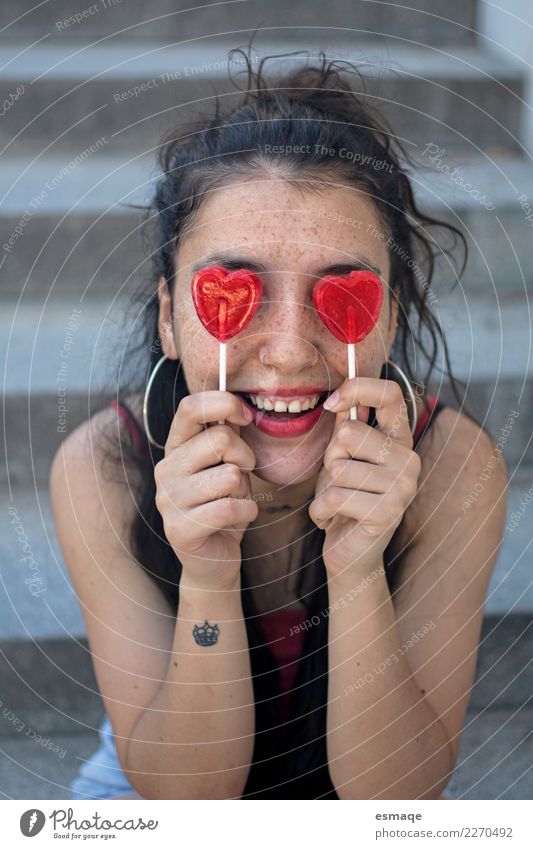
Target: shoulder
(458,450)
(89,477)
(462,467)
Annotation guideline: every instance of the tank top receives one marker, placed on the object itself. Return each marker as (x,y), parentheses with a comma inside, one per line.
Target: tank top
(280,627)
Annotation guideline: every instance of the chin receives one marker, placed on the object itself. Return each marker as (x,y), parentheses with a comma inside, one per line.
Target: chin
(281,476)
(287,463)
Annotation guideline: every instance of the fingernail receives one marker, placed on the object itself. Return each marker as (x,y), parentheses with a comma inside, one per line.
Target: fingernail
(247,413)
(332,400)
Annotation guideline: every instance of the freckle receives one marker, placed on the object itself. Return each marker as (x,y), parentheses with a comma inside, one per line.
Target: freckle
(422,691)
(358,664)
(176,662)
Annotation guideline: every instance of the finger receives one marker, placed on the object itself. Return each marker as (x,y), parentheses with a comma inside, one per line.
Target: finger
(211,446)
(201,408)
(353,504)
(352,474)
(210,484)
(385,396)
(224,513)
(357,440)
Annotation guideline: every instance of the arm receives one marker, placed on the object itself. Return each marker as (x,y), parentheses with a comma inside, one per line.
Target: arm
(135,640)
(203,710)
(384,739)
(398,734)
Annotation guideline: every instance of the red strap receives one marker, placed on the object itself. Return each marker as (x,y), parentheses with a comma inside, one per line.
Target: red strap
(133,428)
(424,418)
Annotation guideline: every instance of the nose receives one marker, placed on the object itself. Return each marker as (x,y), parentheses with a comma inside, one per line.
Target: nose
(288,335)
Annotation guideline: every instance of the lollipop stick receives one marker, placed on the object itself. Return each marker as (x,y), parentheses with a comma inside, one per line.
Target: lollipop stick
(222,371)
(351,374)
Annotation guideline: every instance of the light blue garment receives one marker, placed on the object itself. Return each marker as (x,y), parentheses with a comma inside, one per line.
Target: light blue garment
(453,788)
(101,777)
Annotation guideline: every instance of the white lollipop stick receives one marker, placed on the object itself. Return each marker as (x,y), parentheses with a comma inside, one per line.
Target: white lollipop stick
(222,371)
(352,373)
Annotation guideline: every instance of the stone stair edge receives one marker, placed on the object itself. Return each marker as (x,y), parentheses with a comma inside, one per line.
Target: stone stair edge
(391,56)
(161,15)
(109,185)
(502,641)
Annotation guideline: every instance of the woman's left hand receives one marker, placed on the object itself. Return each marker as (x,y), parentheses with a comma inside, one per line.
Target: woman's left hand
(369,477)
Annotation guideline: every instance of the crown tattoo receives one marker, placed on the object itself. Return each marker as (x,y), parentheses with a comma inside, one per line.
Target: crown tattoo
(207,635)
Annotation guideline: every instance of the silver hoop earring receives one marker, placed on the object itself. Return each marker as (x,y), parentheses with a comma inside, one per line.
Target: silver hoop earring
(145,402)
(411,395)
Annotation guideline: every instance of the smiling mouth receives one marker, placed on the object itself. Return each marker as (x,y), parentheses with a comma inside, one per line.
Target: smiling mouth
(284,408)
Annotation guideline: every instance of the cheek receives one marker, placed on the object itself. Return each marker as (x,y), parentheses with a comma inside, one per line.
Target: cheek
(375,344)
(199,354)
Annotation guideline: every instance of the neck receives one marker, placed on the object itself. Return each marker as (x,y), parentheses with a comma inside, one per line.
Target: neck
(278,533)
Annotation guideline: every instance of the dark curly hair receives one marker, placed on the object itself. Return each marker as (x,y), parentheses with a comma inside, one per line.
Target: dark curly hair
(323,105)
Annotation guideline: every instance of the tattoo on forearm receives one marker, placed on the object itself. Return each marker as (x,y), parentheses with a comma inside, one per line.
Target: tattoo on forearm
(206,634)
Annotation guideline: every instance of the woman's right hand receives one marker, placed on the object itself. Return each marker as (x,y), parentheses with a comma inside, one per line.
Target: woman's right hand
(207,507)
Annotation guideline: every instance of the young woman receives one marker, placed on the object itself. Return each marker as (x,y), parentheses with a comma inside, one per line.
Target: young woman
(288,604)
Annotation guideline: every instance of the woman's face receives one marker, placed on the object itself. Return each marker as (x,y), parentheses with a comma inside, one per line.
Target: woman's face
(295,237)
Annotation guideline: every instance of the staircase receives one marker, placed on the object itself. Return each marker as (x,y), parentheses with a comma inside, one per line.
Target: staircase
(86,95)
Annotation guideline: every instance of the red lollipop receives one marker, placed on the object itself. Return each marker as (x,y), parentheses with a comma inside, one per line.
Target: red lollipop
(349,307)
(225,302)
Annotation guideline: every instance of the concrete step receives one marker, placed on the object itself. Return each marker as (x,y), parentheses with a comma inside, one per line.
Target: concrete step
(33,425)
(461,97)
(51,712)
(167,20)
(72,225)
(37,600)
(494,759)
(488,336)
(488,340)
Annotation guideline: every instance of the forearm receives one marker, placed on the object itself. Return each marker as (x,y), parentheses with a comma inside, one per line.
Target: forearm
(383,737)
(195,739)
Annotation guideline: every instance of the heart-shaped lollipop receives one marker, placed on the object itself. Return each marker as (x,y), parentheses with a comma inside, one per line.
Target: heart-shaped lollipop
(349,307)
(225,301)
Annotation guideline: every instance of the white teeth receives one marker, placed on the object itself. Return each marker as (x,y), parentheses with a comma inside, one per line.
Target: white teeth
(279,406)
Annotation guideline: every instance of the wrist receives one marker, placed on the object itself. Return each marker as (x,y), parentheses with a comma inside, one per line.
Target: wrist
(360,574)
(195,593)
